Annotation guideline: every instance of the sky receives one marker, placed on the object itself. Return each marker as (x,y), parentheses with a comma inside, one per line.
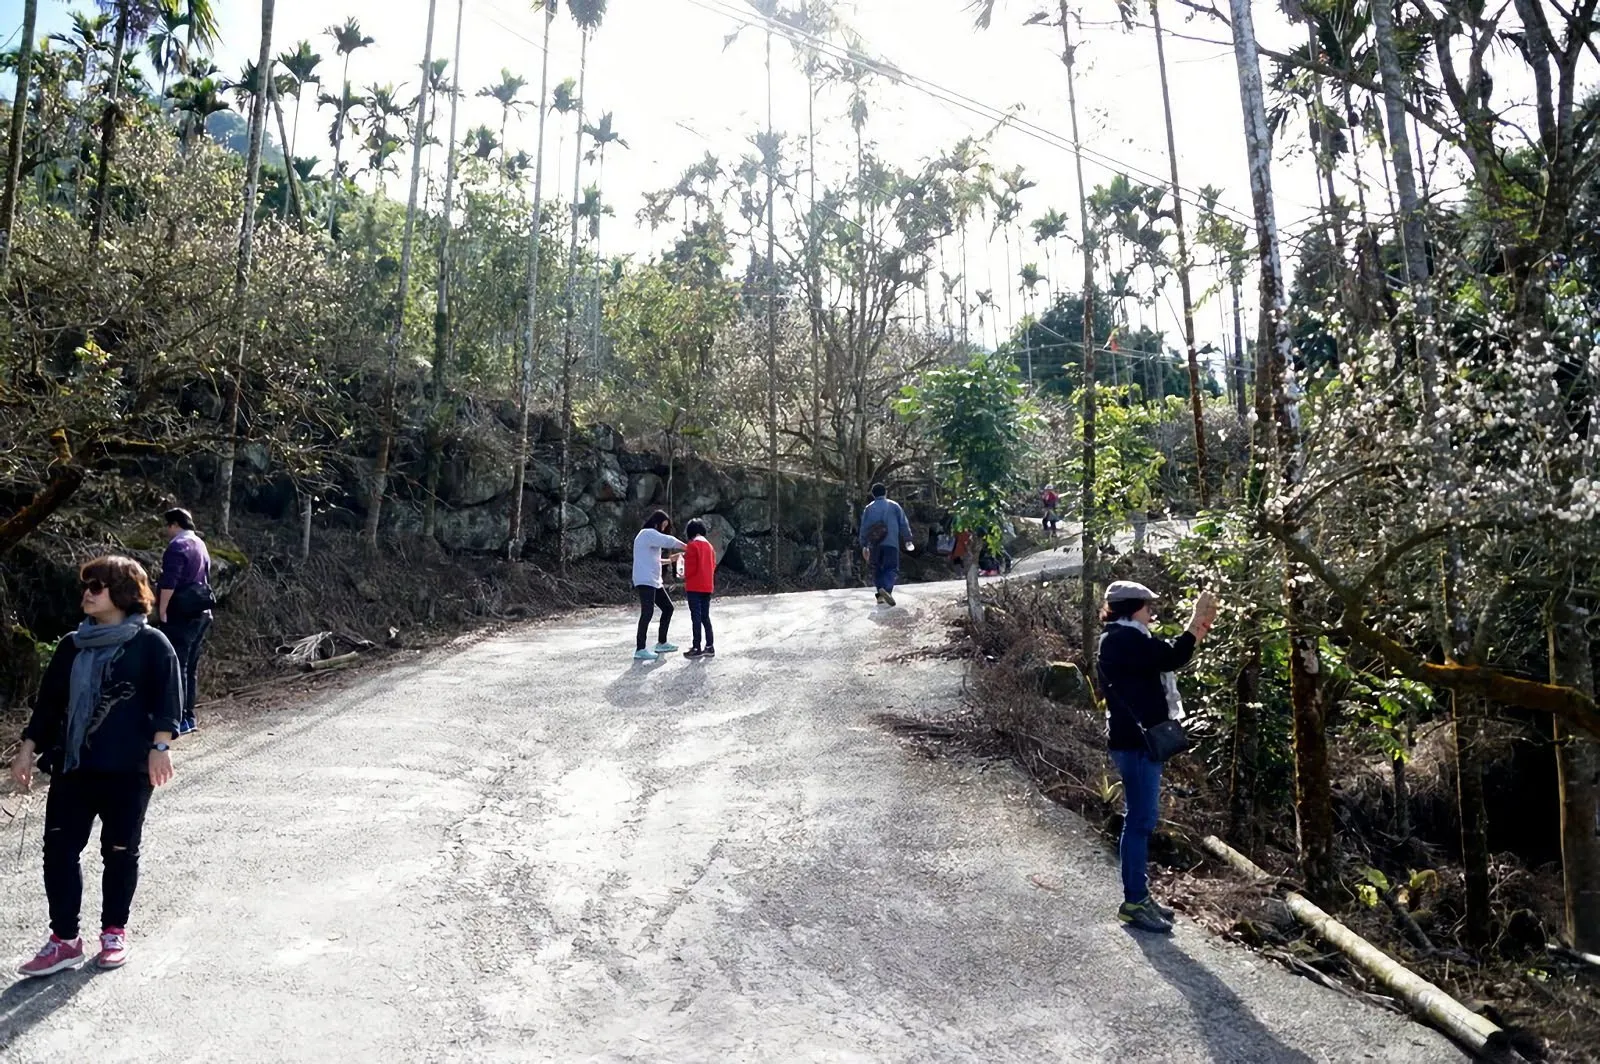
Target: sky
(676,91)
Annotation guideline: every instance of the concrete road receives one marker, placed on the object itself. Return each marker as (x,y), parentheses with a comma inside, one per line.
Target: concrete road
(533,848)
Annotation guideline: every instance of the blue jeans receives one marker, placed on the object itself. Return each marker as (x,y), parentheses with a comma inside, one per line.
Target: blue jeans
(885,566)
(1141,799)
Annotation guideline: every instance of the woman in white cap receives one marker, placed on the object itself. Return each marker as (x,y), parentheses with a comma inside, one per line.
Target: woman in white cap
(1136,673)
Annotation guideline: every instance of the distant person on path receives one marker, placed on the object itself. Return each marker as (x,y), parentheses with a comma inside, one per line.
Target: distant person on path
(699,584)
(884,529)
(184,601)
(1049,500)
(1137,674)
(107,709)
(654,538)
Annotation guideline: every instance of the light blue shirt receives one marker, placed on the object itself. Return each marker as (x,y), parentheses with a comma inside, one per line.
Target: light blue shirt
(647,548)
(889,512)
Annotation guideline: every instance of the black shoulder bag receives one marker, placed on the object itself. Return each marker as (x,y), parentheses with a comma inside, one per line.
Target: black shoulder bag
(190,601)
(1164,741)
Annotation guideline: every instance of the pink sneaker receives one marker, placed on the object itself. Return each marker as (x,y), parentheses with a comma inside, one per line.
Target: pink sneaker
(113,948)
(56,956)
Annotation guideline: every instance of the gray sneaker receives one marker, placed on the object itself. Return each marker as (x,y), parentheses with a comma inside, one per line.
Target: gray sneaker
(1167,914)
(1144,916)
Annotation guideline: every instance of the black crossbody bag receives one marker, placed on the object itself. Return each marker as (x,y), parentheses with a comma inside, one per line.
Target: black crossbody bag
(1164,741)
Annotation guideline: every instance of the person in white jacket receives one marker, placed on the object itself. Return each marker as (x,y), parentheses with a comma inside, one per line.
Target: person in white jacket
(654,538)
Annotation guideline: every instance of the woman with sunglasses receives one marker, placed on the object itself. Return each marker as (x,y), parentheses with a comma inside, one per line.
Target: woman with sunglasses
(108,707)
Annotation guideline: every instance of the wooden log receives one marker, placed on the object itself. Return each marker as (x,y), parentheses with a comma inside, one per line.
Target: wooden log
(339,661)
(1423,998)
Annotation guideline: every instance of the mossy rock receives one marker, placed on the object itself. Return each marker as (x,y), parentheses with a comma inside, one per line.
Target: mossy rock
(1063,681)
(232,556)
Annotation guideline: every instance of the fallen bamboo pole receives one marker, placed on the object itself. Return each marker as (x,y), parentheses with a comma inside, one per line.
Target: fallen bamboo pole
(337,662)
(1422,997)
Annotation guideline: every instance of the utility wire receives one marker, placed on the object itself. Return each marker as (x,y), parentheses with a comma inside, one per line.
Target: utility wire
(958,99)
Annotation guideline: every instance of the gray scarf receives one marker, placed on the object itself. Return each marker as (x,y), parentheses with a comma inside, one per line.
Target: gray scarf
(97,645)
(1169,680)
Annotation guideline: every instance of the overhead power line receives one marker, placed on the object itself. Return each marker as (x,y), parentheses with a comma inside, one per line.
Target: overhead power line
(990,112)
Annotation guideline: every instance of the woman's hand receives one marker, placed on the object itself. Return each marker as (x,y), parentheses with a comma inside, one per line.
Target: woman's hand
(22,767)
(160,767)
(1205,613)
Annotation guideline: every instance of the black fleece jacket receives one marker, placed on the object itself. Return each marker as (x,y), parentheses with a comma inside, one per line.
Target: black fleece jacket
(1129,666)
(142,694)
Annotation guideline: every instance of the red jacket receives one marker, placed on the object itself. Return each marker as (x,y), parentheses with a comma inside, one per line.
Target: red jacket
(699,566)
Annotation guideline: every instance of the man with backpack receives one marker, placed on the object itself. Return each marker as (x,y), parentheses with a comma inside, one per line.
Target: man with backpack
(884,533)
(184,601)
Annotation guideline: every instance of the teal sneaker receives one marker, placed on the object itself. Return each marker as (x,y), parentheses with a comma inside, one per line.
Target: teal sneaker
(1143,916)
(665,648)
(645,655)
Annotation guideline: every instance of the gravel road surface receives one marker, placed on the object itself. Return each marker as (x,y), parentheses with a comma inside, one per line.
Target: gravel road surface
(533,848)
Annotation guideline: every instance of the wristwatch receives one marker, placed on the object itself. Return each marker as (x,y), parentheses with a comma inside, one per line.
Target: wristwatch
(163,747)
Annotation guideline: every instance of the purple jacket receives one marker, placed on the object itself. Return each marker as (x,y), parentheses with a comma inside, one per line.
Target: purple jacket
(185,562)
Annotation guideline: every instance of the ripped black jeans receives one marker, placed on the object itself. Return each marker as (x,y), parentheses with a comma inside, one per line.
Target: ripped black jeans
(119,800)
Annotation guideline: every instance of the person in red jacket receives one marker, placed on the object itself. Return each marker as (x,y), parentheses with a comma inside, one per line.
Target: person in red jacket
(699,583)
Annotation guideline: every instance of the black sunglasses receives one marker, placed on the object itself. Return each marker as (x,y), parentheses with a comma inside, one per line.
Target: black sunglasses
(94,587)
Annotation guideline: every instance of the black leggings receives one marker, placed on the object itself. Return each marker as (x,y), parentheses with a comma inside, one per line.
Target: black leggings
(700,617)
(119,799)
(650,600)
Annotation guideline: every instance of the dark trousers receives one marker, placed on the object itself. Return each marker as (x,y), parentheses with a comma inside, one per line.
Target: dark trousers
(885,566)
(700,617)
(650,600)
(186,637)
(119,800)
(1141,804)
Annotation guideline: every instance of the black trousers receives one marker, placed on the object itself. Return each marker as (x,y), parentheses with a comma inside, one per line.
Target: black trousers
(119,800)
(650,600)
(700,617)
(186,637)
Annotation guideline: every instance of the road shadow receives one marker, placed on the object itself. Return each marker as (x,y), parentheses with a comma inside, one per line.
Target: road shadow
(1231,1031)
(27,1002)
(640,686)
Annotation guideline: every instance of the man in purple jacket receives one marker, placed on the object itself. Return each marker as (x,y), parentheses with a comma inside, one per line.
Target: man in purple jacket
(183,601)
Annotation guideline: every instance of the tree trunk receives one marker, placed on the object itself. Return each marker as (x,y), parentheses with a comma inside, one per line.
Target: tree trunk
(1402,799)
(1246,741)
(19,119)
(64,479)
(814,266)
(108,132)
(241,275)
(1088,604)
(1578,778)
(380,475)
(291,176)
(340,114)
(1313,786)
(441,305)
(1238,352)
(1196,406)
(568,352)
(774,503)
(974,598)
(1467,711)
(305,524)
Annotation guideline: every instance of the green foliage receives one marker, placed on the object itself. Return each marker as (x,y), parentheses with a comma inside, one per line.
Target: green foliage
(1127,464)
(977,416)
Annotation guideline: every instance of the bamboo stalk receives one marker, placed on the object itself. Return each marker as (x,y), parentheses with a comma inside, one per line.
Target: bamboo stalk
(1422,997)
(334,662)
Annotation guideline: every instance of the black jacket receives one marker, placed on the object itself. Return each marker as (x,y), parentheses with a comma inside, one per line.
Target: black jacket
(142,694)
(1129,667)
